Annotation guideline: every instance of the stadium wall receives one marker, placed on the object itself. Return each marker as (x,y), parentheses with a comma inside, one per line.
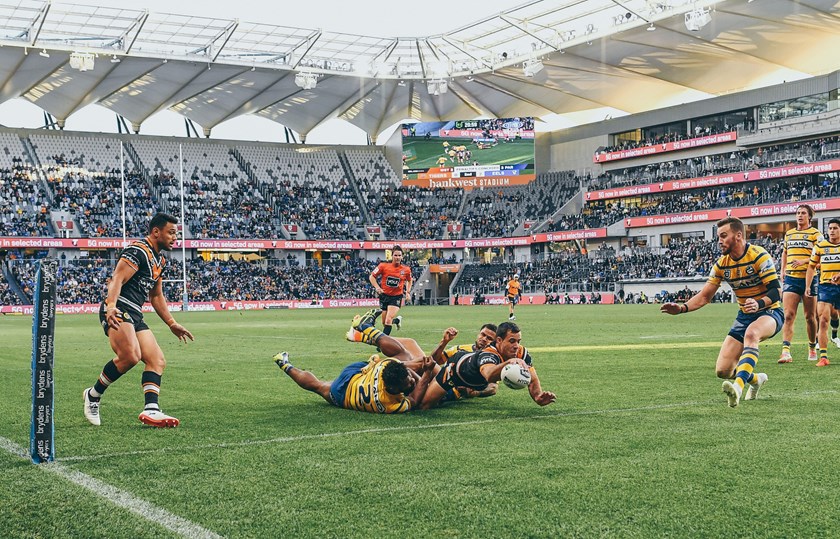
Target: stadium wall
(698,109)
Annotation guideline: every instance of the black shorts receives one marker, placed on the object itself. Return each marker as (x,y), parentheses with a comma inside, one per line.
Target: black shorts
(385,301)
(513,299)
(133,318)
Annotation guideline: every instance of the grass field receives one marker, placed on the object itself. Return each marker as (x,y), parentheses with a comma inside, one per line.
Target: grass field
(640,442)
(505,153)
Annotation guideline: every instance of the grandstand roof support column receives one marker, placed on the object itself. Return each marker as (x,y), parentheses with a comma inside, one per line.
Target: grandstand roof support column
(135,127)
(207,132)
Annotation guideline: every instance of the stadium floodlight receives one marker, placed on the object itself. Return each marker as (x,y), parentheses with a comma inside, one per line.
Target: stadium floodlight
(532,67)
(697,19)
(437,86)
(83,61)
(307,81)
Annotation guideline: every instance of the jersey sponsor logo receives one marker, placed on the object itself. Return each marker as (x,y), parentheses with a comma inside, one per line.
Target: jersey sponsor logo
(392,281)
(803,244)
(746,283)
(831,258)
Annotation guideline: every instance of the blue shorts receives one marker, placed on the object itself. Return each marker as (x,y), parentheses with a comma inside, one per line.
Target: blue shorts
(797,286)
(338,387)
(830,293)
(743,320)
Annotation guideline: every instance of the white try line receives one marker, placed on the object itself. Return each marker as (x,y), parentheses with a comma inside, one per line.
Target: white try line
(118,497)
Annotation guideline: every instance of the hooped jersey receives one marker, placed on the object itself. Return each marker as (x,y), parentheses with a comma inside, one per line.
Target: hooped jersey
(827,255)
(149,264)
(798,245)
(392,278)
(468,364)
(749,276)
(366,391)
(513,287)
(450,352)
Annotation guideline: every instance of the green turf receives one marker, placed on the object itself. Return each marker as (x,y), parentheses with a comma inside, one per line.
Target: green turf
(639,444)
(427,152)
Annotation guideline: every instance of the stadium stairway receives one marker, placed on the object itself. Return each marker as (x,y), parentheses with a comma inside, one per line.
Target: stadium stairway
(348,171)
(14,285)
(32,157)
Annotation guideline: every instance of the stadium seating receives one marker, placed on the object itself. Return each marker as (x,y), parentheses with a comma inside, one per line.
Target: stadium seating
(307,188)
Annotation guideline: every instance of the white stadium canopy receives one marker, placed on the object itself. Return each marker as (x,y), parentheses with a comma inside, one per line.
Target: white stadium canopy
(538,59)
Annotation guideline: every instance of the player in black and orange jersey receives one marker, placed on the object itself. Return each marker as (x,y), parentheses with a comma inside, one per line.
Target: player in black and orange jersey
(798,244)
(486,336)
(514,294)
(392,281)
(391,385)
(751,273)
(477,370)
(826,255)
(136,278)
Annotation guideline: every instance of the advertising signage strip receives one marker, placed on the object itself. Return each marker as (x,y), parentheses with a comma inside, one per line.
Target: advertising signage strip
(820,167)
(716,215)
(295,245)
(629,153)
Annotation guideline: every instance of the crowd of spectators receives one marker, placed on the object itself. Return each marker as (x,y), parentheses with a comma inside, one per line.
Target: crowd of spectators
(95,199)
(672,136)
(7,297)
(24,205)
(602,269)
(239,205)
(416,212)
(272,279)
(602,213)
(722,163)
(82,280)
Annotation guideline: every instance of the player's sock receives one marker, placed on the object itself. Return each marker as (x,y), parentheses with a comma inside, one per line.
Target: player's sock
(151,389)
(812,345)
(786,347)
(835,323)
(370,335)
(744,371)
(823,354)
(109,375)
(282,359)
(386,329)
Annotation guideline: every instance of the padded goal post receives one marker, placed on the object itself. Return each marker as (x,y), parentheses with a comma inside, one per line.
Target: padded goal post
(42,433)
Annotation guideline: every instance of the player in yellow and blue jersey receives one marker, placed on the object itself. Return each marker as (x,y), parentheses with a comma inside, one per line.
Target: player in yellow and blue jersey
(391,385)
(751,273)
(826,254)
(798,244)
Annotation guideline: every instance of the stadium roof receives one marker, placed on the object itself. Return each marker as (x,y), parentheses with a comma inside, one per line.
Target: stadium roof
(542,58)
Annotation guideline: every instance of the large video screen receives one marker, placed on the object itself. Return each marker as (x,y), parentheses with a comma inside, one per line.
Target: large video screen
(469,153)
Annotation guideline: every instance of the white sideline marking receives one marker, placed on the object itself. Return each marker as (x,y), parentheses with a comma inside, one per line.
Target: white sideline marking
(118,497)
(290,439)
